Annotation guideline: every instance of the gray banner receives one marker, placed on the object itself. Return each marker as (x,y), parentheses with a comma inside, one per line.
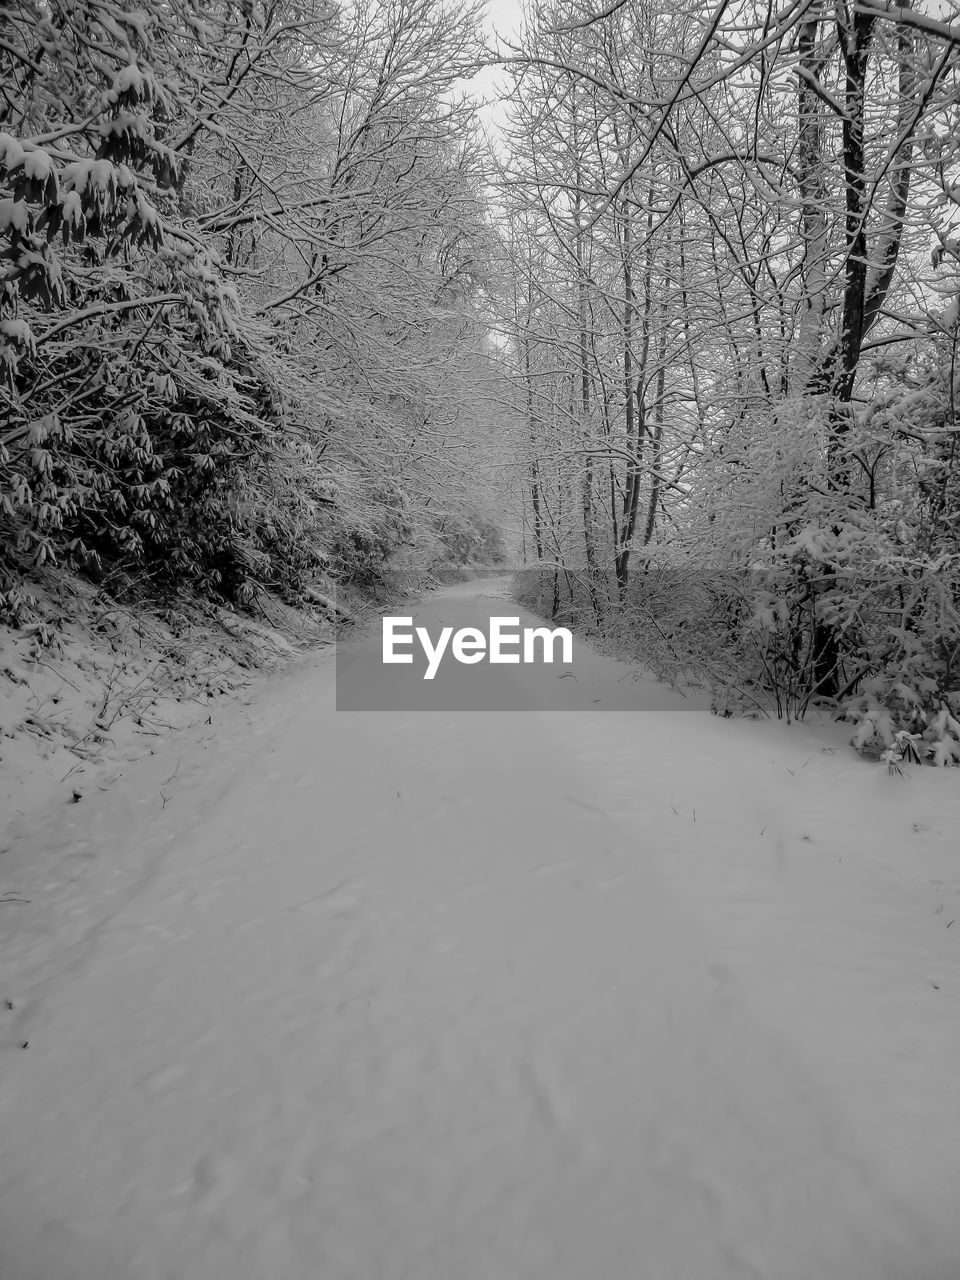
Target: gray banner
(581,679)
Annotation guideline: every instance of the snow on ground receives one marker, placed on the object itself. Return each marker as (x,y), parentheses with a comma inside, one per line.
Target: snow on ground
(87,685)
(485,996)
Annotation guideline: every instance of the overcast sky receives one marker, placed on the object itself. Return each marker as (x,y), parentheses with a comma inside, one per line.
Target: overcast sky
(504,14)
(503,18)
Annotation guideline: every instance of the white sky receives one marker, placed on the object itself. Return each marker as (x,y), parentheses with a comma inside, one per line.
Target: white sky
(503,18)
(504,15)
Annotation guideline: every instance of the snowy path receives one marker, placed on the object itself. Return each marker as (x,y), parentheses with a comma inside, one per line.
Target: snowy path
(484,996)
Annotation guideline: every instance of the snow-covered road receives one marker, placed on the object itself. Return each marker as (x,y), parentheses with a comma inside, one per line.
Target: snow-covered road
(545,995)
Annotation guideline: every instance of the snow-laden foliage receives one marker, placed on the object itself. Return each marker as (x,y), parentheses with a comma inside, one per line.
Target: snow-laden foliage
(869,572)
(732,318)
(240,250)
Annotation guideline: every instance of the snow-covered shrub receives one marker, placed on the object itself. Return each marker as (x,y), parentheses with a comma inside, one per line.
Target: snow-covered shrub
(124,409)
(466,537)
(820,563)
(363,550)
(909,650)
(914,698)
(895,721)
(17,606)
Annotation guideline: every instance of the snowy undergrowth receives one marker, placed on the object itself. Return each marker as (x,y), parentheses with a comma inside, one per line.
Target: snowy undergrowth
(694,632)
(88,683)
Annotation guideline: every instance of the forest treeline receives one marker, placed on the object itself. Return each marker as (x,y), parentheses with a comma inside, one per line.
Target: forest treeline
(241,247)
(273,306)
(733,327)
